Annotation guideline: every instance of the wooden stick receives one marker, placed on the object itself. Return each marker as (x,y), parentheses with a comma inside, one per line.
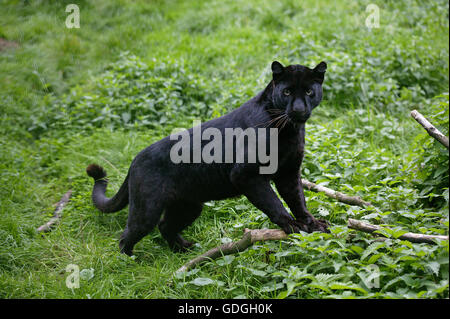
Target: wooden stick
(412,237)
(254,235)
(56,214)
(432,131)
(351,200)
(249,238)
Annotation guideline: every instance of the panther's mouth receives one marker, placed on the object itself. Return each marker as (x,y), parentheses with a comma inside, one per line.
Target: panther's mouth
(299,117)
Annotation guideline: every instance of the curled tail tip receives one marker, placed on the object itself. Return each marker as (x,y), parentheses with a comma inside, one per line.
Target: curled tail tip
(96,171)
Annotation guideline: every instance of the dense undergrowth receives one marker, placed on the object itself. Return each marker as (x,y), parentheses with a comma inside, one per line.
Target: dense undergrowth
(105,91)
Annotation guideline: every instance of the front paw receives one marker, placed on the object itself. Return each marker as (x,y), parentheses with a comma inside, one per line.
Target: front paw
(292,226)
(314,224)
(322,225)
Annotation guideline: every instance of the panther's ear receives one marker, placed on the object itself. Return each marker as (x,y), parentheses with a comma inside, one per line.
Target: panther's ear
(321,67)
(277,69)
(319,71)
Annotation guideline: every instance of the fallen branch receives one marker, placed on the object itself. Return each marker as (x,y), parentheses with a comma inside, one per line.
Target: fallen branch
(412,237)
(255,235)
(351,200)
(432,131)
(56,214)
(249,238)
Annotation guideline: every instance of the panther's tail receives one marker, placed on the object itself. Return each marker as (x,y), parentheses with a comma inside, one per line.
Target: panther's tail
(103,203)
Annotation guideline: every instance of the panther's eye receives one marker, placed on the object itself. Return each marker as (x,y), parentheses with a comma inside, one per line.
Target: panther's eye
(286,92)
(309,92)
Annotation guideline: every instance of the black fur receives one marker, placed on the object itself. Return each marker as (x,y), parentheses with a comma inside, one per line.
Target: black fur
(95,171)
(106,205)
(155,184)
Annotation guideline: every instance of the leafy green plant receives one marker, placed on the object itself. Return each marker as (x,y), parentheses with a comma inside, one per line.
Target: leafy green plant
(72,97)
(430,164)
(131,94)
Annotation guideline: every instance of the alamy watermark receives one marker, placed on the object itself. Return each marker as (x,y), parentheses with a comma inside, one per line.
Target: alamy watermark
(372,280)
(373,19)
(73,279)
(73,19)
(234,145)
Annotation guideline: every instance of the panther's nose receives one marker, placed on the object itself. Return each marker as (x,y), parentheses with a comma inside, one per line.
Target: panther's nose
(300,111)
(299,106)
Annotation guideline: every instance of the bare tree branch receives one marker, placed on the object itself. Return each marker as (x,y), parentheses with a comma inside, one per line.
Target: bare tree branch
(432,131)
(412,237)
(254,235)
(249,238)
(351,200)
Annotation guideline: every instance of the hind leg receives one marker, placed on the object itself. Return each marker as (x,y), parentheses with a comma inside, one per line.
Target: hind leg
(177,217)
(141,220)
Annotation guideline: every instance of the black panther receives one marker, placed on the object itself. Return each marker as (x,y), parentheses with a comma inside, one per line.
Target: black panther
(155,186)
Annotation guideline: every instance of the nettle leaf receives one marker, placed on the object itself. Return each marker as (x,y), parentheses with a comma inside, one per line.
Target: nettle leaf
(388,261)
(371,216)
(337,265)
(325,278)
(255,272)
(185,274)
(384,232)
(272,286)
(299,274)
(339,242)
(410,281)
(225,260)
(285,253)
(434,266)
(321,286)
(374,258)
(371,249)
(406,258)
(445,195)
(357,249)
(396,233)
(391,283)
(406,243)
(204,281)
(347,286)
(441,287)
(290,284)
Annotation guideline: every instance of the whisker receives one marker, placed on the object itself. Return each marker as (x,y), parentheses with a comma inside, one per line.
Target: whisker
(271,120)
(280,121)
(285,122)
(275,120)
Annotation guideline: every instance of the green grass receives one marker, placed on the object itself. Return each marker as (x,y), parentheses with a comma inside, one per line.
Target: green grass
(137,69)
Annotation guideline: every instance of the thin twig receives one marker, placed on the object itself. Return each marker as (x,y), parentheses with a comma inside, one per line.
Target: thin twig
(56,214)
